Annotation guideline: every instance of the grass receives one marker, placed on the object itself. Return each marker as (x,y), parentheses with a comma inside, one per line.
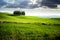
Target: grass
(27,19)
(28,28)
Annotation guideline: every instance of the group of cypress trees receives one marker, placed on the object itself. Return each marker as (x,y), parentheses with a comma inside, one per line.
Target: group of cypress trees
(19,13)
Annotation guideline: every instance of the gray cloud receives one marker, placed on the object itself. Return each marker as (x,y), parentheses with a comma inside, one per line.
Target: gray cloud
(2,3)
(25,4)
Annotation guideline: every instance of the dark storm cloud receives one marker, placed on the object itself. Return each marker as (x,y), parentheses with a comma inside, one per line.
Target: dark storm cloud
(2,3)
(55,1)
(50,3)
(25,4)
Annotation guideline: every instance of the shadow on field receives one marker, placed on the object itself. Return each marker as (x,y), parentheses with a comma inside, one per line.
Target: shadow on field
(7,35)
(55,18)
(57,38)
(10,14)
(30,23)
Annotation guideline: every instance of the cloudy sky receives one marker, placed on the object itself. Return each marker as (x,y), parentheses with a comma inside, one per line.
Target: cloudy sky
(28,3)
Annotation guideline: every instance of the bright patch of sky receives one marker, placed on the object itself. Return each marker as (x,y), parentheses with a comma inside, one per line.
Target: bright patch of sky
(33,1)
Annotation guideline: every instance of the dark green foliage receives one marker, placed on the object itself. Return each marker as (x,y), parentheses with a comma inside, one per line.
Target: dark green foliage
(23,13)
(18,13)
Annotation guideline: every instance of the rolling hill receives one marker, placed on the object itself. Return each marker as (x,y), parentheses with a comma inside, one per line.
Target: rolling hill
(28,28)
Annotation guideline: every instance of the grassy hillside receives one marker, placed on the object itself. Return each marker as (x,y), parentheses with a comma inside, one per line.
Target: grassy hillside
(27,19)
(28,28)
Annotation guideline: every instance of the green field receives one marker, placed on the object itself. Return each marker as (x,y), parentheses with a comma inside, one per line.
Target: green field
(28,28)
